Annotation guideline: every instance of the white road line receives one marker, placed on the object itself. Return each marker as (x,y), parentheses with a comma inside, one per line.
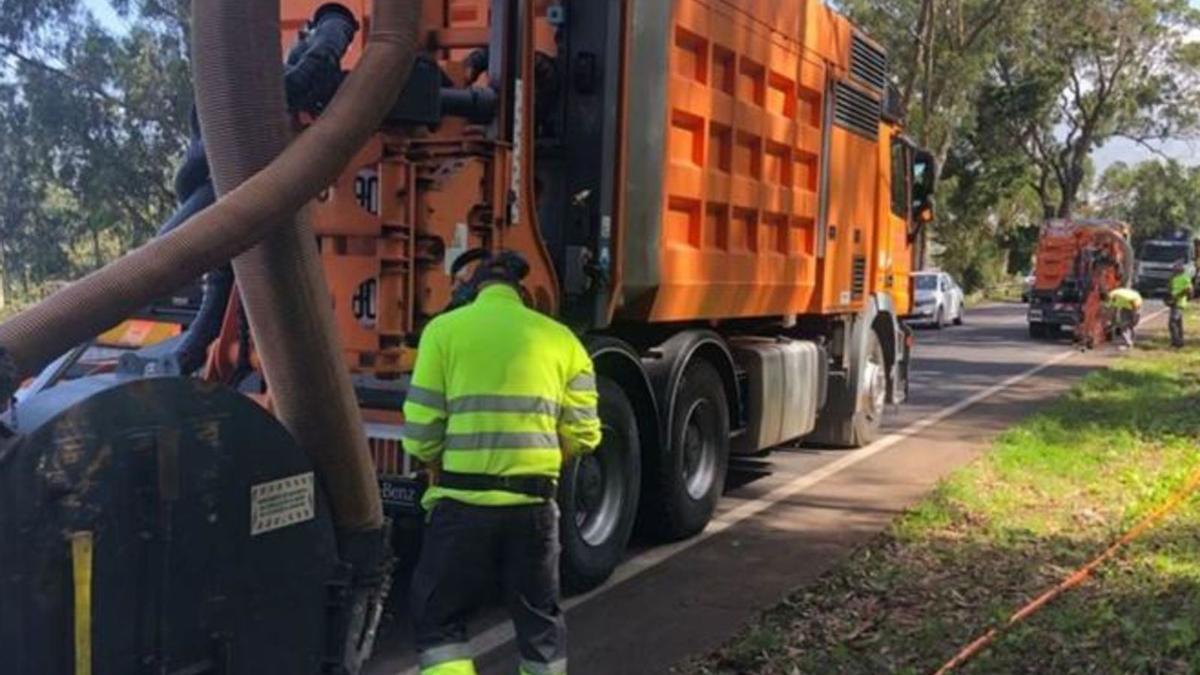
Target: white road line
(502,633)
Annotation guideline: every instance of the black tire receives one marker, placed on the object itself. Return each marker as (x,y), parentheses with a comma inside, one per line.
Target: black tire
(940,321)
(688,479)
(1038,331)
(853,416)
(869,417)
(958,320)
(598,496)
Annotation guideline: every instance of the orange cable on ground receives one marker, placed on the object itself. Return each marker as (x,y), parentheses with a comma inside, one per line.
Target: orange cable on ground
(1076,578)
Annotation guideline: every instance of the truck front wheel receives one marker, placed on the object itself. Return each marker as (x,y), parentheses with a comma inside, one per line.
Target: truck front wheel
(869,416)
(598,495)
(691,475)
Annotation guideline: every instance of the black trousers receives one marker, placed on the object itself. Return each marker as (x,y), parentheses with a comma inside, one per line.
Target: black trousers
(467,551)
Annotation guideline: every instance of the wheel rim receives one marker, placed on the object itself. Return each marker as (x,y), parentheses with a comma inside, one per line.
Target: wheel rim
(599,488)
(876,382)
(699,451)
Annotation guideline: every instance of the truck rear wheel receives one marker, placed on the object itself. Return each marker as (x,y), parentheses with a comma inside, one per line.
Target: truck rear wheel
(598,495)
(691,475)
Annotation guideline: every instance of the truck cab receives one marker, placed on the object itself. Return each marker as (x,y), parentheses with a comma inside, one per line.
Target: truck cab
(1157,257)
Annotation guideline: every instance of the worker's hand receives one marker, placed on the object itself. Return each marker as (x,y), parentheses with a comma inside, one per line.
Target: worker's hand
(432,471)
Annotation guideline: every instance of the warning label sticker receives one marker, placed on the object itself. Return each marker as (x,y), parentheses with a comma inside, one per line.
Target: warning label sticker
(281,503)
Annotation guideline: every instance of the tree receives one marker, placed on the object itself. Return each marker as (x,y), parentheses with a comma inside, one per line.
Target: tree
(943,54)
(1095,70)
(940,52)
(91,124)
(1155,198)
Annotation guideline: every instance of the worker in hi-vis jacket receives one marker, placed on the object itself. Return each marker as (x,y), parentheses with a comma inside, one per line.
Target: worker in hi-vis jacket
(500,395)
(1179,291)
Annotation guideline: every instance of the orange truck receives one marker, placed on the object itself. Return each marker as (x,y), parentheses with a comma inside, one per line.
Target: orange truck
(717,195)
(1077,261)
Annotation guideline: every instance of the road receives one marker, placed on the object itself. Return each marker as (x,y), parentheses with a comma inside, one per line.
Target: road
(787,518)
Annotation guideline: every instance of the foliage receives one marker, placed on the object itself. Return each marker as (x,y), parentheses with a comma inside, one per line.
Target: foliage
(1155,198)
(1090,72)
(1013,96)
(942,53)
(90,125)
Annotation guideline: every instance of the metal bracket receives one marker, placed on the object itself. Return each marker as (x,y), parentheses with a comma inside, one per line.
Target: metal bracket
(8,378)
(134,363)
(356,598)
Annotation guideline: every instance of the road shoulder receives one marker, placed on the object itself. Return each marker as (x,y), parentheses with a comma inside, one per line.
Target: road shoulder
(1056,490)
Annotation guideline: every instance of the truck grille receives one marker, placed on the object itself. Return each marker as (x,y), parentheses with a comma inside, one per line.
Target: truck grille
(868,63)
(859,283)
(856,111)
(387,452)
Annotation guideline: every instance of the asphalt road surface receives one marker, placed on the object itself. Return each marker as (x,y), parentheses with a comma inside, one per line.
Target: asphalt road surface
(788,517)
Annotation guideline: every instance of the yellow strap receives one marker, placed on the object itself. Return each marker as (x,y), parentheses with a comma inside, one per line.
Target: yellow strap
(81,564)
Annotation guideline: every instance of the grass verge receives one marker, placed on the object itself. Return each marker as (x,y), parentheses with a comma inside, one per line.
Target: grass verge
(1053,493)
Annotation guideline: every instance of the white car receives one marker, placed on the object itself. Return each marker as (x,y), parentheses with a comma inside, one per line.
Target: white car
(938,300)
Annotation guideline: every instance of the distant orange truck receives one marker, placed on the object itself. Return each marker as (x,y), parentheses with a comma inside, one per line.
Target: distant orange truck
(1076,261)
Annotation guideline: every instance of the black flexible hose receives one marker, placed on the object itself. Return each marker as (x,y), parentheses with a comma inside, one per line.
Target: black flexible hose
(195,192)
(313,70)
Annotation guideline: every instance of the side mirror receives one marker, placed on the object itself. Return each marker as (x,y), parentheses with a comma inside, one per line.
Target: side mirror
(924,170)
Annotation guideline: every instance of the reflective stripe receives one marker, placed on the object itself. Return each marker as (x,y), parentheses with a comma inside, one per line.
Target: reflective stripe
(426,397)
(461,667)
(558,667)
(457,651)
(413,431)
(585,382)
(502,440)
(573,415)
(502,404)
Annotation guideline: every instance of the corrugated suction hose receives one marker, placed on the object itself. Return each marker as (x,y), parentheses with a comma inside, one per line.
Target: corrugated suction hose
(237,72)
(237,69)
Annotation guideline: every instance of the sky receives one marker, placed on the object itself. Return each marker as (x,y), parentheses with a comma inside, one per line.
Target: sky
(104,13)
(1129,152)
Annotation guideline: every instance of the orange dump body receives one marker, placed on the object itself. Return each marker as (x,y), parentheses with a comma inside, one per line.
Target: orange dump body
(1060,244)
(746,172)
(728,212)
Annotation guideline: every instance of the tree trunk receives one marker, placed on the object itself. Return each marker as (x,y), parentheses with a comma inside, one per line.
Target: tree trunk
(1070,191)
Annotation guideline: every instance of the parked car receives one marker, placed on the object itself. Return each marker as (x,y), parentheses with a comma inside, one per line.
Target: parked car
(938,300)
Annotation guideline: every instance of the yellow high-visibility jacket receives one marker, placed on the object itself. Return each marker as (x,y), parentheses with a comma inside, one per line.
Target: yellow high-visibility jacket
(1180,289)
(499,389)
(1125,298)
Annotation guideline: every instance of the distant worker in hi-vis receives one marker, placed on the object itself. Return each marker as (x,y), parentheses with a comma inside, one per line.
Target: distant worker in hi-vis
(1179,291)
(500,395)
(1126,306)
